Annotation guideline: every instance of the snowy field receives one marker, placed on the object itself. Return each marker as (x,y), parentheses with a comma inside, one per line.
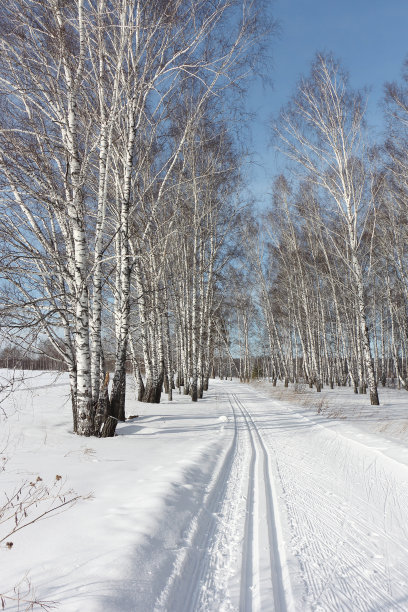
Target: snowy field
(253,499)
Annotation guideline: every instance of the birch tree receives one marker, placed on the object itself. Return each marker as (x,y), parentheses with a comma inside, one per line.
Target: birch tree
(78,81)
(322,130)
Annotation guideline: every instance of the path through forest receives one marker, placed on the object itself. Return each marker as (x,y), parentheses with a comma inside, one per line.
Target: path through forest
(297,517)
(239,502)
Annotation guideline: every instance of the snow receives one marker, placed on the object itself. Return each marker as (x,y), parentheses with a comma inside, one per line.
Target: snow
(246,500)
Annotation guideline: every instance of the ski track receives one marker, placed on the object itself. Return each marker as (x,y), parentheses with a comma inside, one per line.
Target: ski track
(262,483)
(289,494)
(188,578)
(233,558)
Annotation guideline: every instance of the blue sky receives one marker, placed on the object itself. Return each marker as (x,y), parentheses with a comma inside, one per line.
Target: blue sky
(370,37)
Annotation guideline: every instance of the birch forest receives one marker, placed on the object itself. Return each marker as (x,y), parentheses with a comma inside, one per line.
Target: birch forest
(129,242)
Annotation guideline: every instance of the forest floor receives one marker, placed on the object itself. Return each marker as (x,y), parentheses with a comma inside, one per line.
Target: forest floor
(254,499)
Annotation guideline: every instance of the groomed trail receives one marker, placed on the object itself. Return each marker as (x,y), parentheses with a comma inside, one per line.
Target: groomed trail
(237,503)
(295,516)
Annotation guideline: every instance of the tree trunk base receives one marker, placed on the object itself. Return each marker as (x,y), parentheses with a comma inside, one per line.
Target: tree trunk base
(374,398)
(383,381)
(118,394)
(152,392)
(140,392)
(109,427)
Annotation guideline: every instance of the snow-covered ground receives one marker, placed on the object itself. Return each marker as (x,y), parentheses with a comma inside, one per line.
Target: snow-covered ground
(248,500)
